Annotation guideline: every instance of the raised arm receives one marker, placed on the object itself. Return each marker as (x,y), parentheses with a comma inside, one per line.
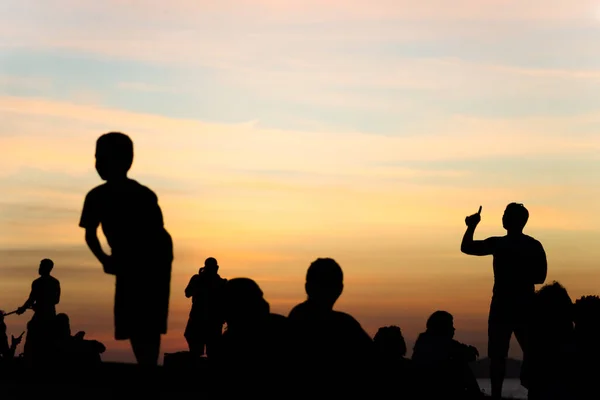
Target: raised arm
(476,247)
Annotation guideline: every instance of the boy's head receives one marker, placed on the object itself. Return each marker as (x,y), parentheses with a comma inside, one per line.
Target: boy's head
(587,315)
(324,281)
(63,325)
(515,217)
(46,266)
(114,155)
(554,296)
(441,323)
(389,341)
(244,302)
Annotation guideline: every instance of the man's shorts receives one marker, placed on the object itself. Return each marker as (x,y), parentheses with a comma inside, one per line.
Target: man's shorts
(505,319)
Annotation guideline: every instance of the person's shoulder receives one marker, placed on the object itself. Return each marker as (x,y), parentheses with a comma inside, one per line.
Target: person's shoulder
(298,311)
(97,192)
(142,189)
(345,318)
(531,240)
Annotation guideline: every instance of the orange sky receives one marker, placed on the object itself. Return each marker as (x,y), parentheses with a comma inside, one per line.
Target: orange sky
(275,134)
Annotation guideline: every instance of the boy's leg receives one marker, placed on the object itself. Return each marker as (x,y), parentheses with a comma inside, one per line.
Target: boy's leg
(146,348)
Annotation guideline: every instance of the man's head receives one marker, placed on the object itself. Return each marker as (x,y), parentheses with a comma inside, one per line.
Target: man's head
(515,217)
(324,281)
(46,266)
(441,323)
(114,155)
(211,265)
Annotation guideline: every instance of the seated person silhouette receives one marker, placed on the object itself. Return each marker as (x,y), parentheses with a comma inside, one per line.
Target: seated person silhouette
(73,351)
(141,248)
(552,344)
(394,371)
(587,341)
(43,298)
(325,339)
(444,362)
(519,263)
(7,352)
(255,343)
(205,324)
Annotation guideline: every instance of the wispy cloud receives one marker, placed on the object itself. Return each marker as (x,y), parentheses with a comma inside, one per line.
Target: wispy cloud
(144,87)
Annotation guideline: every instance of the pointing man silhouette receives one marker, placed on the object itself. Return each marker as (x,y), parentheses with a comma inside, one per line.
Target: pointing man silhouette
(519,263)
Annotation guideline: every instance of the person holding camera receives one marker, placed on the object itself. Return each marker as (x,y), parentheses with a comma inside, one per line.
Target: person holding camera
(205,324)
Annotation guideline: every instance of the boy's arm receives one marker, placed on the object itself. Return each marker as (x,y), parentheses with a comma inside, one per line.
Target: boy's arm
(91,238)
(90,221)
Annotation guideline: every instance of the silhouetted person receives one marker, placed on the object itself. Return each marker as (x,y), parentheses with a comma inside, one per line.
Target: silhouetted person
(73,351)
(205,324)
(444,362)
(254,347)
(552,345)
(394,372)
(324,339)
(519,264)
(7,351)
(587,339)
(43,298)
(141,248)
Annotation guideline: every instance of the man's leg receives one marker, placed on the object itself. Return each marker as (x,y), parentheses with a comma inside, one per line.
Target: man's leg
(522,336)
(499,334)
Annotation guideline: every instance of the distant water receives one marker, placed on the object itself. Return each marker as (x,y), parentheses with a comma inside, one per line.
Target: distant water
(511,389)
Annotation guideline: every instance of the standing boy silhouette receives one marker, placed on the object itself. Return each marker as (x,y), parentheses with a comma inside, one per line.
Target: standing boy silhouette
(519,264)
(141,248)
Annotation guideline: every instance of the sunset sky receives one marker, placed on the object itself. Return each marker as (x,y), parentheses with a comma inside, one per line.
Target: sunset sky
(276,132)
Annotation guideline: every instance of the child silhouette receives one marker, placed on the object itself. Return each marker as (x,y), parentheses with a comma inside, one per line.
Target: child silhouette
(141,248)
